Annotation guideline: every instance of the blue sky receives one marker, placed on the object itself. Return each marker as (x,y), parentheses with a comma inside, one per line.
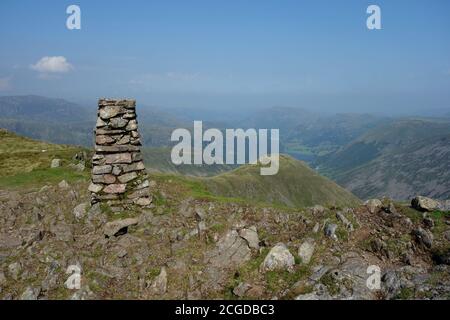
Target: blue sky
(233,54)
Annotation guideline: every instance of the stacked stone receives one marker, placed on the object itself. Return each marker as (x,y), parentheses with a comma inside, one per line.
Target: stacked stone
(118,174)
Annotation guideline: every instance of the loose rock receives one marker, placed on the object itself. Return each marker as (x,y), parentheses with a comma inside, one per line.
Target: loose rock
(373,205)
(278,258)
(306,250)
(251,236)
(56,163)
(425,204)
(330,231)
(80,210)
(112,228)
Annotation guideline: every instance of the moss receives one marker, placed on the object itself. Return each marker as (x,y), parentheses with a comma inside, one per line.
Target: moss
(252,267)
(97,281)
(414,215)
(158,199)
(59,293)
(331,284)
(153,273)
(40,177)
(218,227)
(405,294)
(21,156)
(278,281)
(439,218)
(342,234)
(106,209)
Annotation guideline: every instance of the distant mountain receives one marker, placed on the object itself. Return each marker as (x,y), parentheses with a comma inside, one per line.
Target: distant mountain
(53,120)
(398,159)
(421,168)
(60,121)
(37,108)
(328,133)
(295,185)
(306,135)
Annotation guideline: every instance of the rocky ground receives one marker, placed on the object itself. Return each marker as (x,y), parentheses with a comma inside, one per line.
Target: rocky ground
(188,247)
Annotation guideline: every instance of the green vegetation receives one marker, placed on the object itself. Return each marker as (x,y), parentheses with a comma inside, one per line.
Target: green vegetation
(157,159)
(26,162)
(295,185)
(41,177)
(401,158)
(405,294)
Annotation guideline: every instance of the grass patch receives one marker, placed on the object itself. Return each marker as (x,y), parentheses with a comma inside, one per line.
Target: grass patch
(439,218)
(405,294)
(280,280)
(41,177)
(26,162)
(331,284)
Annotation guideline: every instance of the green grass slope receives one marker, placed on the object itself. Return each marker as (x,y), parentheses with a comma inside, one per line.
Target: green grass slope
(295,185)
(25,162)
(158,160)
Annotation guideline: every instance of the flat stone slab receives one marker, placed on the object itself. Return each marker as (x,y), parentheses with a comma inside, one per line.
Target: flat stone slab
(112,228)
(115,188)
(116,148)
(118,158)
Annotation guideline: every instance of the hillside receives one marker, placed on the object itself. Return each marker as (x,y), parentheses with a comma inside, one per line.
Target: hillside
(42,118)
(158,160)
(25,161)
(421,167)
(294,185)
(190,244)
(40,108)
(64,122)
(399,159)
(307,135)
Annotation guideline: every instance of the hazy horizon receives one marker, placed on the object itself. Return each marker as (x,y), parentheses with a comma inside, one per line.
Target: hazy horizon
(314,55)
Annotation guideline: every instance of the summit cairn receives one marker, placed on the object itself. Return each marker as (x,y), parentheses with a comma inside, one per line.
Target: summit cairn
(118,172)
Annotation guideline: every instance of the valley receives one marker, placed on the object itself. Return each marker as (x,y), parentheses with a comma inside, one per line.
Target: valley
(367,154)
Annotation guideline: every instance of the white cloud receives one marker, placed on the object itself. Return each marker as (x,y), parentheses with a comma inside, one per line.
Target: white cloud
(57,64)
(5,84)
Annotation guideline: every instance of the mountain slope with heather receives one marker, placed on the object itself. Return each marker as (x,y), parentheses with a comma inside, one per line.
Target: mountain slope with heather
(398,159)
(295,184)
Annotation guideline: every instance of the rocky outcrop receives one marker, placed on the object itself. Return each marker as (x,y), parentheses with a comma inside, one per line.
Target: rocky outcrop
(230,252)
(426,204)
(278,258)
(330,230)
(373,205)
(56,163)
(118,173)
(423,237)
(306,250)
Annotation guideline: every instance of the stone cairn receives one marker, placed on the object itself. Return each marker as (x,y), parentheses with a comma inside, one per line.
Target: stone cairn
(118,172)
